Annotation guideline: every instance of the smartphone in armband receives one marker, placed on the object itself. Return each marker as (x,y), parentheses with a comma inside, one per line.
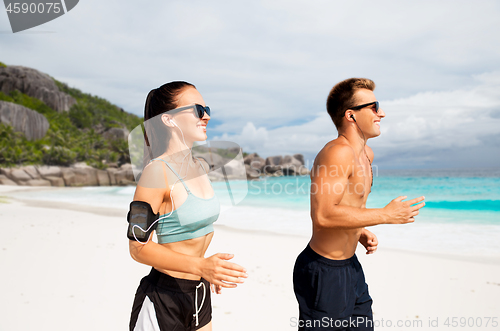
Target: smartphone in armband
(141,221)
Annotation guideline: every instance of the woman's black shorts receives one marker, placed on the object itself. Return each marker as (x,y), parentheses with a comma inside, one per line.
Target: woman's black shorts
(165,303)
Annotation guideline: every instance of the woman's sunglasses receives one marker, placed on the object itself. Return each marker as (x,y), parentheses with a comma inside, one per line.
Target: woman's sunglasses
(199,110)
(377,106)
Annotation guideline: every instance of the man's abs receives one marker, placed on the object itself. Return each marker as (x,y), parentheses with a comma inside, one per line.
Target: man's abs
(334,243)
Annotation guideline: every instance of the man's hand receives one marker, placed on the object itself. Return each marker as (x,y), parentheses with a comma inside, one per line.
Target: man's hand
(369,240)
(401,212)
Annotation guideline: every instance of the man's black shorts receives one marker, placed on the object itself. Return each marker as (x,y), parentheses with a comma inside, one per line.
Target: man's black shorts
(165,303)
(332,294)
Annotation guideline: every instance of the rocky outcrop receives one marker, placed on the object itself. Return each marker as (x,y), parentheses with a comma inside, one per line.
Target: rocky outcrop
(251,172)
(254,161)
(287,165)
(31,123)
(36,84)
(300,158)
(291,166)
(116,133)
(81,174)
(271,165)
(49,171)
(274,160)
(124,175)
(234,170)
(278,165)
(78,174)
(4,180)
(254,165)
(214,160)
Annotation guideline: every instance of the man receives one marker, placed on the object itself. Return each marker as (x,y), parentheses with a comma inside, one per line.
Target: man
(328,280)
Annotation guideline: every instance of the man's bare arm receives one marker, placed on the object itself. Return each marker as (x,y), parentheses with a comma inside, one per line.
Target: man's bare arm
(329,181)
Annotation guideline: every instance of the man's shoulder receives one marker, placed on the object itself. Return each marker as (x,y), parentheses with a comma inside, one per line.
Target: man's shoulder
(335,152)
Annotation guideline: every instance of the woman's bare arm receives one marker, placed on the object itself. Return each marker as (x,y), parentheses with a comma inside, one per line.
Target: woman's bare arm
(153,188)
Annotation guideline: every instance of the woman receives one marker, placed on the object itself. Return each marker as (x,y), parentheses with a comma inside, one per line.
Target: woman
(175,295)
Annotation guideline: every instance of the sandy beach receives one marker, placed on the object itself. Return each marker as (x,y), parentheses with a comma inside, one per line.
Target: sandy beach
(67,267)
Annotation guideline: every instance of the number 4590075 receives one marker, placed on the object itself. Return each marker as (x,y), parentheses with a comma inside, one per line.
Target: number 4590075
(471,322)
(23,7)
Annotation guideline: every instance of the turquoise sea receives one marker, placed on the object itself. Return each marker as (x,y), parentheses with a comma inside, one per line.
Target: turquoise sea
(461,216)
(456,196)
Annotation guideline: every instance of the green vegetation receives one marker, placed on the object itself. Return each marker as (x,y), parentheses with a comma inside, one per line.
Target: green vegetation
(72,135)
(16,149)
(92,110)
(2,65)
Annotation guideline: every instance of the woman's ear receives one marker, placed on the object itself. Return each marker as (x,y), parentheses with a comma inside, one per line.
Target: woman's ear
(167,120)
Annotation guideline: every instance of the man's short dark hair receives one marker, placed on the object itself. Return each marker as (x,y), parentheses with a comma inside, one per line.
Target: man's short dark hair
(341,97)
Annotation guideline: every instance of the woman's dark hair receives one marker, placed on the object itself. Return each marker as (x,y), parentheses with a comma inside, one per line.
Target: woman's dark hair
(159,101)
(163,98)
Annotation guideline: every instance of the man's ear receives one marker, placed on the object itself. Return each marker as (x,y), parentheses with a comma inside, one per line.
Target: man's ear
(167,120)
(349,115)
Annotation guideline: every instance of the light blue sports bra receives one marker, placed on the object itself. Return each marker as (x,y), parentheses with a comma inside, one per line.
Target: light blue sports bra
(193,219)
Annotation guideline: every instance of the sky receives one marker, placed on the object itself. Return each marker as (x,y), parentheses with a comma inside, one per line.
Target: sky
(265,68)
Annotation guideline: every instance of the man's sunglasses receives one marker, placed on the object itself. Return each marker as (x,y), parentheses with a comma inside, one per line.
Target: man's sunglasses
(377,106)
(199,109)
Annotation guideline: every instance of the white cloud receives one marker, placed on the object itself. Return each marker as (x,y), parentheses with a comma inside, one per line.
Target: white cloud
(441,120)
(250,138)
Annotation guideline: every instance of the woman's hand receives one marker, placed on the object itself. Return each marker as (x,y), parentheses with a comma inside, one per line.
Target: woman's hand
(220,273)
(216,288)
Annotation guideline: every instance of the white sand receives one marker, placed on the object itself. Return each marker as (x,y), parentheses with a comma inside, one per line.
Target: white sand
(70,270)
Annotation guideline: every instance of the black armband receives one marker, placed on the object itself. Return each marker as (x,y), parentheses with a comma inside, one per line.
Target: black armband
(141,221)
